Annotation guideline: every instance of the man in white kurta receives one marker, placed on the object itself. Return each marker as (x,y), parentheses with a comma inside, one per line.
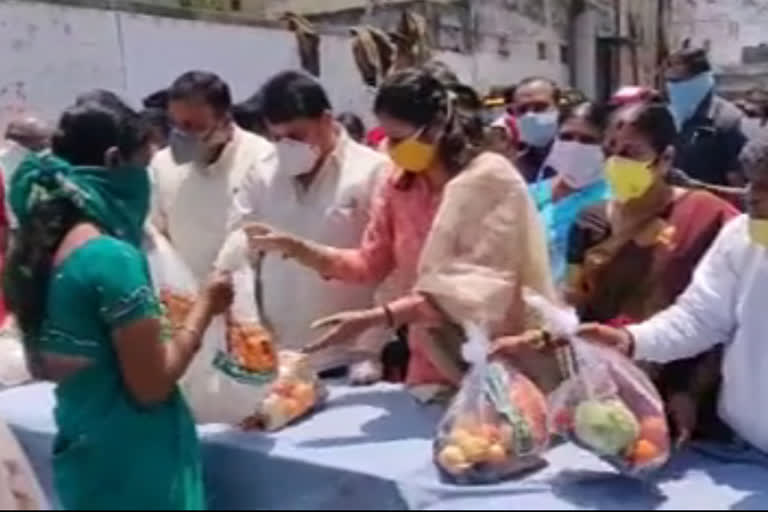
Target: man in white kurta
(725,303)
(318,186)
(196,178)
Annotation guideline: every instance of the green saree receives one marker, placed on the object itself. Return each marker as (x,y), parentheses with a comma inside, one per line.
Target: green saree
(109,452)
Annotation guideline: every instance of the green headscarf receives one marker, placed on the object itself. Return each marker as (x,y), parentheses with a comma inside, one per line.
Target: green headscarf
(117,200)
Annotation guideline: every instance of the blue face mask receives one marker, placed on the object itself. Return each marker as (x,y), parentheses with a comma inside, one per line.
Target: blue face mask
(686,95)
(538,129)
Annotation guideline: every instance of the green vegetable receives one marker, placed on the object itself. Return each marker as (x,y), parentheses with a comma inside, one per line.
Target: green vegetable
(608,427)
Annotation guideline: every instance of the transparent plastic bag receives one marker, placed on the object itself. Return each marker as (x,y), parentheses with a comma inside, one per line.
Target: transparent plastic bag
(226,381)
(295,394)
(607,405)
(250,355)
(496,426)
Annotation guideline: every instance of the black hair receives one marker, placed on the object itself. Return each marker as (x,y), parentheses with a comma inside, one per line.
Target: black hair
(353,124)
(105,98)
(695,59)
(654,121)
(508,93)
(442,72)
(158,100)
(418,98)
(557,93)
(595,114)
(293,95)
(466,97)
(158,120)
(249,115)
(85,132)
(204,86)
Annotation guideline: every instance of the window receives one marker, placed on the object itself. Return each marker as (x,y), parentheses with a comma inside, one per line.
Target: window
(541,48)
(564,53)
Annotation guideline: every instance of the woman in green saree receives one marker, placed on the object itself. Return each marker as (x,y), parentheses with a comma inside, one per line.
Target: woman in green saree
(79,286)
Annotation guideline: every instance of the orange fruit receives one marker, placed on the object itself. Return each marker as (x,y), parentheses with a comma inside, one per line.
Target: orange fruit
(475,449)
(497,455)
(452,459)
(292,408)
(490,433)
(644,452)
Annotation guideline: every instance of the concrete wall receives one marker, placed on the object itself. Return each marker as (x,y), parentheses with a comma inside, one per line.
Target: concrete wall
(50,53)
(735,33)
(733,29)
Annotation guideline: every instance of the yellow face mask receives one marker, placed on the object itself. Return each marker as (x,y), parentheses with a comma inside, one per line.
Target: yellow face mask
(413,155)
(629,179)
(758,231)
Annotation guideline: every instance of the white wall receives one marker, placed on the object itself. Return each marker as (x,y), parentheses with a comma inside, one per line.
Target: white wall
(728,25)
(49,54)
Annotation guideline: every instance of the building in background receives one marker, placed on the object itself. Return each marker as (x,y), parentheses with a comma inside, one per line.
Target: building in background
(51,50)
(735,33)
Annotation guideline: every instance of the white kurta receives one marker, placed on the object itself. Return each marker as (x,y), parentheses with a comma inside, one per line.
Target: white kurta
(191,202)
(333,210)
(725,303)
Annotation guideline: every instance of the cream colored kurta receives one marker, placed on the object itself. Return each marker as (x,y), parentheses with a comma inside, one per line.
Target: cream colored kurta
(333,210)
(190,202)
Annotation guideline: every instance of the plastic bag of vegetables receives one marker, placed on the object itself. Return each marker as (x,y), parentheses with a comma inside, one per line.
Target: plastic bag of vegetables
(296,393)
(606,405)
(496,426)
(228,377)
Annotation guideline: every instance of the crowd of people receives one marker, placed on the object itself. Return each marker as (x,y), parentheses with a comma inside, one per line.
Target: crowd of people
(380,242)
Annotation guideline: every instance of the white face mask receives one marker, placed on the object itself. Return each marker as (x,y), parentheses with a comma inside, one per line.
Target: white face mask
(11,156)
(295,158)
(579,164)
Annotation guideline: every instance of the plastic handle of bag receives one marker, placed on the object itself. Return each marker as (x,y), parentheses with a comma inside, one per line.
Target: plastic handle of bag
(562,322)
(475,353)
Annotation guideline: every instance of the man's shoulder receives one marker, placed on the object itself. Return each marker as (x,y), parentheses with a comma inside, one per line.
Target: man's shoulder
(164,166)
(256,145)
(364,166)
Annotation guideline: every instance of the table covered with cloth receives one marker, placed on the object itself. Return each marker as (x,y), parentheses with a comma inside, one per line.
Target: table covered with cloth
(370,448)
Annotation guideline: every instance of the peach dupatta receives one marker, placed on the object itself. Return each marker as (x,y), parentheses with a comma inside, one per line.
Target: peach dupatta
(486,244)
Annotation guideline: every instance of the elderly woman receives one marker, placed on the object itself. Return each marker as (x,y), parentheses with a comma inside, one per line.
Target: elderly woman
(79,286)
(460,258)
